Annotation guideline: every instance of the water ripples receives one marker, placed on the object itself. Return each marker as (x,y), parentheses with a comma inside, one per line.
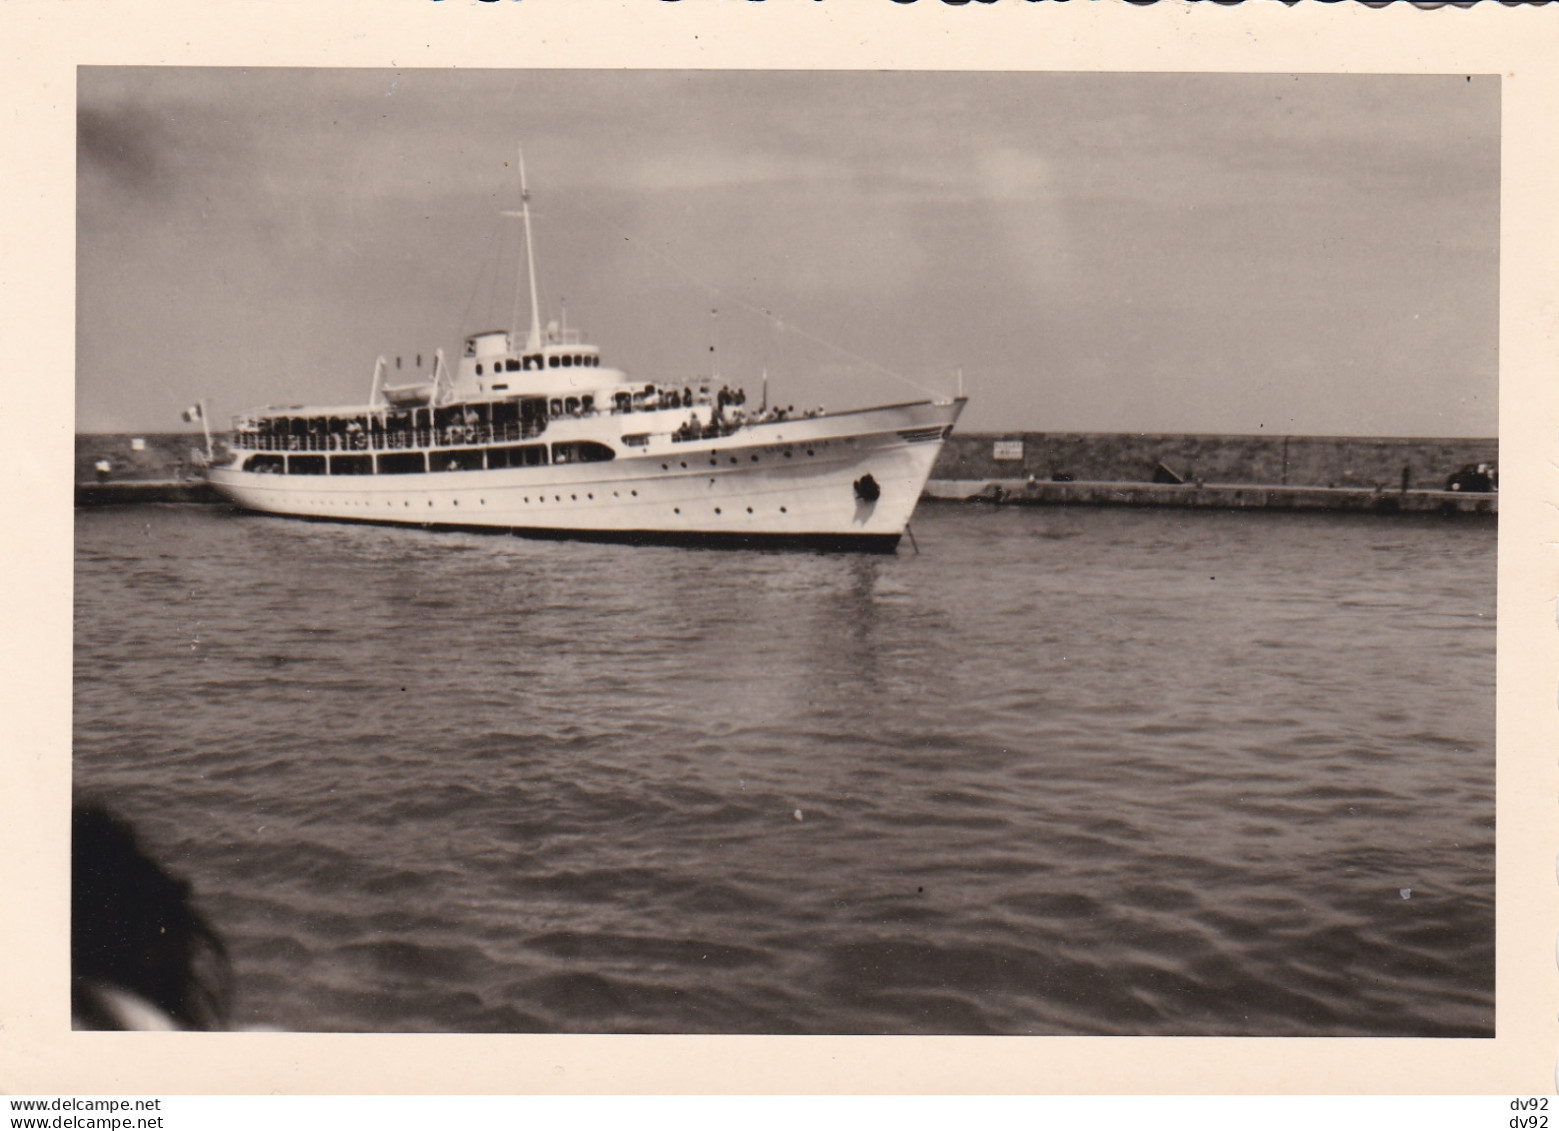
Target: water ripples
(1064,772)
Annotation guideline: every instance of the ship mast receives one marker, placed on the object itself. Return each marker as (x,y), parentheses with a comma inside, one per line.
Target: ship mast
(532,339)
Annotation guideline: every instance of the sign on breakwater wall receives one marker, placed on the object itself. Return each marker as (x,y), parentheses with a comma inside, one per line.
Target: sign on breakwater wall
(1370,463)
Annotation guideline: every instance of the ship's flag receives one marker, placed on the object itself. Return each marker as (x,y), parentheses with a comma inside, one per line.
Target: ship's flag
(192,413)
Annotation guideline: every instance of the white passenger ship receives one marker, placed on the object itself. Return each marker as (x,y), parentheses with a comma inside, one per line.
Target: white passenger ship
(531,434)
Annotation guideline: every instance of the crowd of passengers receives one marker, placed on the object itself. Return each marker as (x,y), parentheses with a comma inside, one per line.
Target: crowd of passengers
(396,428)
(731,413)
(730,409)
(468,423)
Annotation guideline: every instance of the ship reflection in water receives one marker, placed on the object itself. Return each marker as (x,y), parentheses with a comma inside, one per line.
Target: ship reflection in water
(1075,771)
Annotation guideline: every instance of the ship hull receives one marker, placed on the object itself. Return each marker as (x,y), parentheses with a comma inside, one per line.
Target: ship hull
(845,481)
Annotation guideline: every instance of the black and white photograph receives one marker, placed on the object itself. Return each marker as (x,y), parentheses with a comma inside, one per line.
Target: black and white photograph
(624,551)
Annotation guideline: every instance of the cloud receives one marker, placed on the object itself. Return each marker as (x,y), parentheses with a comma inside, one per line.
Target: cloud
(1129,227)
(752,168)
(123,144)
(1007,173)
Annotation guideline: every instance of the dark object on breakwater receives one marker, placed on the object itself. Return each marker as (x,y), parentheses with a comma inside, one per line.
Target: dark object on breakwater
(1219,496)
(122,492)
(1472,477)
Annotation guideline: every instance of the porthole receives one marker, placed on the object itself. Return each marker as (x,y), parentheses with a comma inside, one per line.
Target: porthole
(430,502)
(755,457)
(749,510)
(787,455)
(717,510)
(713,462)
(635,494)
(589,495)
(733,459)
(810,452)
(676,510)
(457,502)
(615,495)
(783,511)
(665,467)
(574,498)
(684,463)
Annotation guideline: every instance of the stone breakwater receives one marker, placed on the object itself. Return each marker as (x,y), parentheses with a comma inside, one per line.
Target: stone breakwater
(1383,474)
(145,491)
(140,467)
(1147,457)
(1378,474)
(1223,496)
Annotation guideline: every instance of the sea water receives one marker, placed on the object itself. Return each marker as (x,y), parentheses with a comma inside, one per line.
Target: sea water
(1061,771)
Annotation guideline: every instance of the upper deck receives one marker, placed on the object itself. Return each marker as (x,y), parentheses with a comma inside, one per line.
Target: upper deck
(617,415)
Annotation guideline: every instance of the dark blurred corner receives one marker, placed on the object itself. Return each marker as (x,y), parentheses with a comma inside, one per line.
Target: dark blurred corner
(141,955)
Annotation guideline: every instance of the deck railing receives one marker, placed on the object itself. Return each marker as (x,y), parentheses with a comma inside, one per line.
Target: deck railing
(400,439)
(446,436)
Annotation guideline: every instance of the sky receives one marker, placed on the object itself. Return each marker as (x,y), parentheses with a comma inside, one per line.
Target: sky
(1210,253)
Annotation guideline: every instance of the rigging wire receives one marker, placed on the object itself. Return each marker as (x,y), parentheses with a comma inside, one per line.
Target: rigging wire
(490,263)
(496,243)
(751,308)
